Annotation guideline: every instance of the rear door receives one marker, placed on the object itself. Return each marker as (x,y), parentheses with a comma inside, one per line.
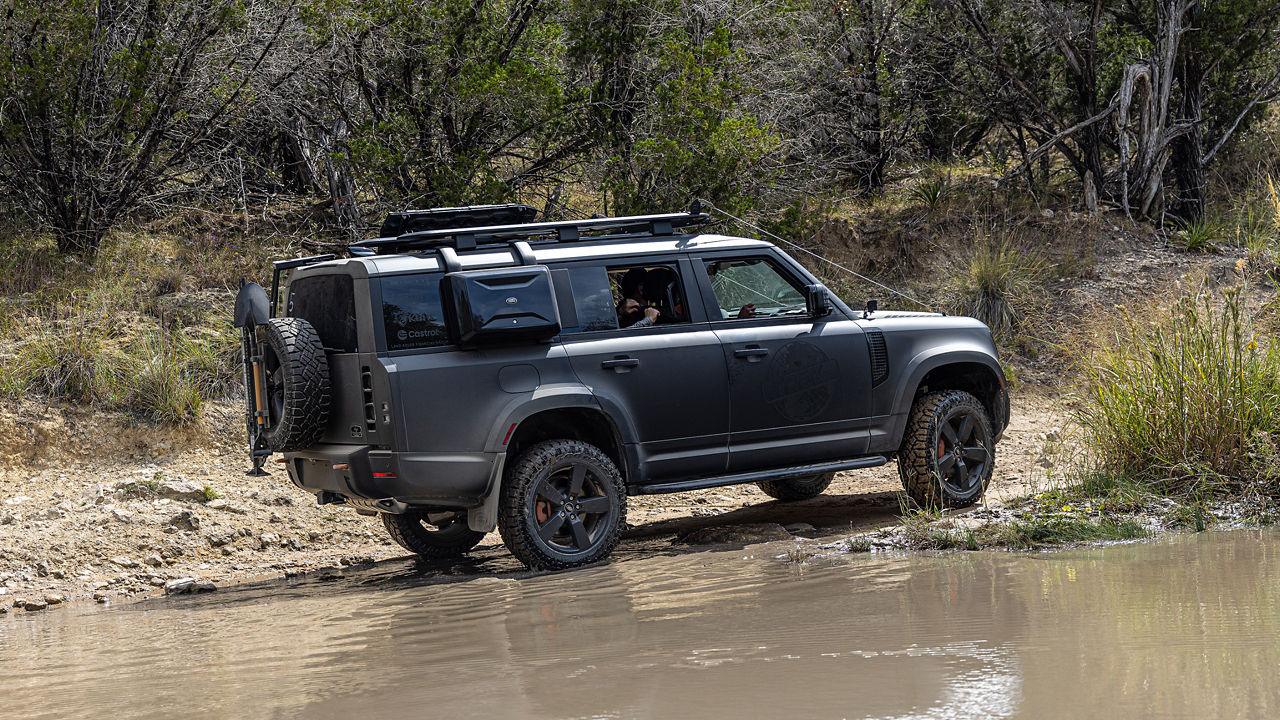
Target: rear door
(799,387)
(666,379)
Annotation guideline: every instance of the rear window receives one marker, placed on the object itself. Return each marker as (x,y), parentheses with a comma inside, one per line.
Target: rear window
(412,313)
(327,302)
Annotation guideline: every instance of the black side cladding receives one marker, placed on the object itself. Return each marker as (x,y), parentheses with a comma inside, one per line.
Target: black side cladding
(879,356)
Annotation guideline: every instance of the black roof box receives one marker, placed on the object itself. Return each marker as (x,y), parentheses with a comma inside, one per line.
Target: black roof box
(399,223)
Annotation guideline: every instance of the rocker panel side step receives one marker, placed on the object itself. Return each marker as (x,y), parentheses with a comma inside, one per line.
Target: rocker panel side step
(756,476)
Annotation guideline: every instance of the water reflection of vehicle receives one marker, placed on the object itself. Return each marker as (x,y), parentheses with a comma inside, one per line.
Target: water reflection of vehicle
(743,638)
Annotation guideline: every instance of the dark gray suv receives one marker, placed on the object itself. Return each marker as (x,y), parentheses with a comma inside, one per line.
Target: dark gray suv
(474,369)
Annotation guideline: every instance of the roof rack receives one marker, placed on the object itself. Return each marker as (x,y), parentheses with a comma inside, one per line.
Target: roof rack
(469,238)
(407,221)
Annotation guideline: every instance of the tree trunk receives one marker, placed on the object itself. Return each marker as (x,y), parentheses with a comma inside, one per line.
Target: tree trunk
(1188,148)
(342,189)
(864,100)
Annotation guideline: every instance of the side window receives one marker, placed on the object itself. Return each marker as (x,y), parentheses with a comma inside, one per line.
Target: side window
(327,302)
(592,300)
(647,295)
(412,313)
(754,288)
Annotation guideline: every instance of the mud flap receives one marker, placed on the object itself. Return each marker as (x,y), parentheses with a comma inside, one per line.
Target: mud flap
(485,517)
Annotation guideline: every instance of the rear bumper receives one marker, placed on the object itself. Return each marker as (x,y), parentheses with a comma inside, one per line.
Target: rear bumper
(362,472)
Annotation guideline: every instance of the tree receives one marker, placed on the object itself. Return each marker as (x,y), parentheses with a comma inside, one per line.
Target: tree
(103,100)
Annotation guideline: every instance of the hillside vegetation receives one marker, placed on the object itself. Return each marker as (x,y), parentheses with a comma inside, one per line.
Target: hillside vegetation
(1032,164)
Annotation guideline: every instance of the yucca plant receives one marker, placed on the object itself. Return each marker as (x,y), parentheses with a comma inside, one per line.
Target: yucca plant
(1199,235)
(998,284)
(933,192)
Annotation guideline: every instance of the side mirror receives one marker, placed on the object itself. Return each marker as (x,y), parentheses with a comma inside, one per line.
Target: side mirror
(818,300)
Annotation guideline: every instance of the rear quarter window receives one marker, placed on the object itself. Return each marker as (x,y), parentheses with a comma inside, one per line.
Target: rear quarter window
(327,302)
(412,312)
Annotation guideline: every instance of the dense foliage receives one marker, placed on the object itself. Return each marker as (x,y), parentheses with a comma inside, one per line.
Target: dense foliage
(109,106)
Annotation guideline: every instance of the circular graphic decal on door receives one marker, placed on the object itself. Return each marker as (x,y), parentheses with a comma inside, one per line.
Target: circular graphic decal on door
(801,381)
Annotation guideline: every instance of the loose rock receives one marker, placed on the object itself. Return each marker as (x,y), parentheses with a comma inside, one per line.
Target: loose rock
(179,586)
(181,490)
(185,520)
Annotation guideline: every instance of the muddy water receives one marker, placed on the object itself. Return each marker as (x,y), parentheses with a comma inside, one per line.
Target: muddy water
(1182,628)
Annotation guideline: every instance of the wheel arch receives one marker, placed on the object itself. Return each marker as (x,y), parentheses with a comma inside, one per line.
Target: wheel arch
(976,373)
(588,423)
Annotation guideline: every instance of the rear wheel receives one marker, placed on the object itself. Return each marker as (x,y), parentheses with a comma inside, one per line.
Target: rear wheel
(563,505)
(433,535)
(797,488)
(947,454)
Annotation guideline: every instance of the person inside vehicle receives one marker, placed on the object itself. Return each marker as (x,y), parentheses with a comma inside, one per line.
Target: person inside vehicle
(634,310)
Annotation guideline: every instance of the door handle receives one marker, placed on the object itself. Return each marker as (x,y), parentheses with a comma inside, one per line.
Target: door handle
(751,353)
(622,362)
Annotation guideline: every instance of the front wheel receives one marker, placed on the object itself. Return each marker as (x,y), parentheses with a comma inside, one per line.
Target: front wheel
(563,505)
(947,453)
(433,535)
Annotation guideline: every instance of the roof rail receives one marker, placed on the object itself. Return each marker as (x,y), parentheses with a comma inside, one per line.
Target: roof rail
(469,238)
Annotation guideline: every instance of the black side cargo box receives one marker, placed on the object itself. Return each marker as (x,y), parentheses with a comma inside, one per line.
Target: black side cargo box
(503,305)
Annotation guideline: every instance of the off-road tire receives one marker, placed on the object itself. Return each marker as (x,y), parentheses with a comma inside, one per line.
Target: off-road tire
(796,488)
(297,390)
(413,532)
(918,460)
(554,462)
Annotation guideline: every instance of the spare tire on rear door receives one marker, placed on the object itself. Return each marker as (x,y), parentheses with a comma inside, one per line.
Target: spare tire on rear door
(297,383)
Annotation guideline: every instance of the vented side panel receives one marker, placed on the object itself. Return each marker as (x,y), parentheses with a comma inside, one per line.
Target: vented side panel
(879,356)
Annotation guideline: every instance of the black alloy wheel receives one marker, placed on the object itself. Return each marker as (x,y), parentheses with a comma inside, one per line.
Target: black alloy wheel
(947,454)
(296,389)
(274,390)
(962,455)
(432,534)
(563,505)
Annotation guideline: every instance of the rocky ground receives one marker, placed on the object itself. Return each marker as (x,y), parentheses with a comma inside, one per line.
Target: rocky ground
(80,523)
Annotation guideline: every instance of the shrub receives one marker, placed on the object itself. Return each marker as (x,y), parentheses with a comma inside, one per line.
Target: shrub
(998,285)
(1188,401)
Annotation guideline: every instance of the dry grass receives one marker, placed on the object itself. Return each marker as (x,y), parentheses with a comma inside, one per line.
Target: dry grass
(1185,400)
(133,332)
(1000,282)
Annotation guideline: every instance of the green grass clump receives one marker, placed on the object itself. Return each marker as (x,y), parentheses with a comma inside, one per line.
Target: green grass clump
(933,192)
(1187,402)
(1039,524)
(1199,235)
(125,364)
(999,284)
(1040,531)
